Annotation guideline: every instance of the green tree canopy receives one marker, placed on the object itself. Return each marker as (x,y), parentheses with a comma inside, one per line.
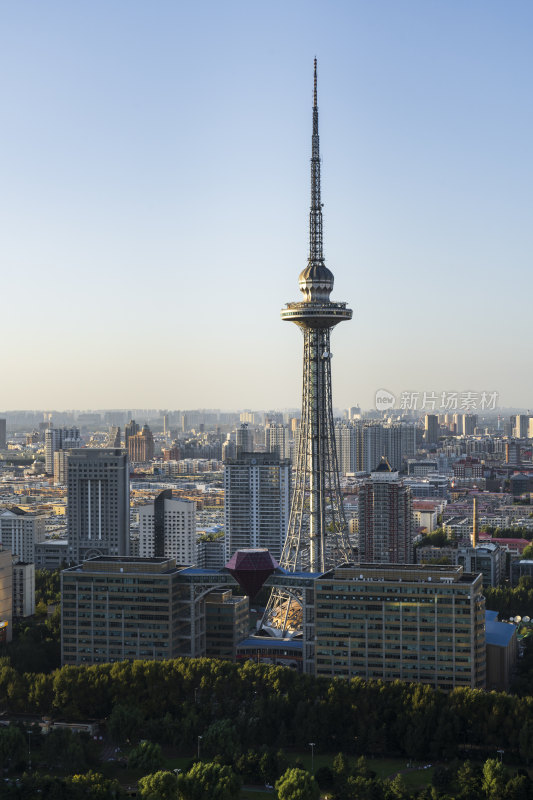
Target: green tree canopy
(125,722)
(64,749)
(209,780)
(493,779)
(92,786)
(297,784)
(146,756)
(161,785)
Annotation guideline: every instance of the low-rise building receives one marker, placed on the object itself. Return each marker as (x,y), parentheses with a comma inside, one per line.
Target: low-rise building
(51,554)
(488,558)
(211,554)
(521,568)
(502,652)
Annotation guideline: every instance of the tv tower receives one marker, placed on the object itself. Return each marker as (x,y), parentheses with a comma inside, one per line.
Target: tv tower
(317,537)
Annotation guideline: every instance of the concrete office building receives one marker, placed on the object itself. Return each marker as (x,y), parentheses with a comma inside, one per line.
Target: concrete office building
(521,568)
(61,466)
(21,531)
(412,623)
(521,427)
(488,558)
(244,440)
(51,554)
(59,439)
(167,529)
(227,622)
(386,528)
(211,554)
(469,424)
(3,434)
(256,509)
(431,428)
(116,609)
(98,502)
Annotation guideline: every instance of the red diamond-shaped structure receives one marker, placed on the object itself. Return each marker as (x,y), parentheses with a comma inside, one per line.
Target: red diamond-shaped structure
(251,567)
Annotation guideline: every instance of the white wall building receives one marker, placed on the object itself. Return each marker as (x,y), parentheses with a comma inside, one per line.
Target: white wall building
(167,528)
(23,590)
(256,502)
(20,531)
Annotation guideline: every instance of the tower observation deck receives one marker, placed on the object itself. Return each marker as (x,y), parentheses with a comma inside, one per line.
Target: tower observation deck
(317,537)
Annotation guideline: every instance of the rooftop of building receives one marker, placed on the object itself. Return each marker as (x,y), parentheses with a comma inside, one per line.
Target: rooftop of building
(128,564)
(407,573)
(19,512)
(491,547)
(497,633)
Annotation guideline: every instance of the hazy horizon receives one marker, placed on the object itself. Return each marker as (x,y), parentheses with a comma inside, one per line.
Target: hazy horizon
(155,165)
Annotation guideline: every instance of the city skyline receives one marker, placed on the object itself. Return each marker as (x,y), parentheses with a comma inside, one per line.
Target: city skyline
(154,173)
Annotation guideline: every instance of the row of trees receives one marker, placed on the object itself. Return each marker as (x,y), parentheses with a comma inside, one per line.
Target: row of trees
(508,601)
(346,781)
(515,532)
(235,708)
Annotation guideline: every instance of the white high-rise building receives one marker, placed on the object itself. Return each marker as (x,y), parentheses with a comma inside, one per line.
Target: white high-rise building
(348,443)
(361,446)
(256,508)
(167,529)
(277,440)
(374,446)
(401,444)
(20,531)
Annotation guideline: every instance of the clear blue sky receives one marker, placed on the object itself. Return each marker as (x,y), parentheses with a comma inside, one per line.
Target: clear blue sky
(154,165)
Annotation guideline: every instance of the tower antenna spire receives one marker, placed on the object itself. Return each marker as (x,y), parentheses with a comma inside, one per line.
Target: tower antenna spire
(316,255)
(317,536)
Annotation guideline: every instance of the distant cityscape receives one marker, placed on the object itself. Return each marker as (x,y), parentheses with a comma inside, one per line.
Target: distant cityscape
(189,488)
(156,559)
